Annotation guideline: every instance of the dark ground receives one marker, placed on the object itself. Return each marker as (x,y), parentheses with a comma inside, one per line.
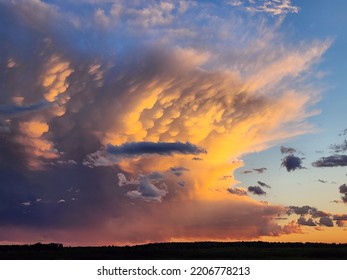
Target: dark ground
(180,251)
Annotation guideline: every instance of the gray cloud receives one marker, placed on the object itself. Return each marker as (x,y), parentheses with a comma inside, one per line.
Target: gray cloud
(260,170)
(160,148)
(309,222)
(147,191)
(343,191)
(256,190)
(123,181)
(262,184)
(303,210)
(340,220)
(326,221)
(331,161)
(338,148)
(292,163)
(287,150)
(237,191)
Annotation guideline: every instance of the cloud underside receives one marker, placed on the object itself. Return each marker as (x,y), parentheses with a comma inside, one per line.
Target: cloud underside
(128,88)
(160,148)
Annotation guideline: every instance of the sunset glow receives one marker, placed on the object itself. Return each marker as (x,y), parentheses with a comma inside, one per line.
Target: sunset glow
(127,122)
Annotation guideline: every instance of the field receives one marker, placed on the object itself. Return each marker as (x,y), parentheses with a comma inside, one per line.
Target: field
(180,251)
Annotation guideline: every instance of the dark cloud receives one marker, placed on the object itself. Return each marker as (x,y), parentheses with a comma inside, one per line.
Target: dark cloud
(237,191)
(343,191)
(331,161)
(322,181)
(13,110)
(292,163)
(340,220)
(256,190)
(247,172)
(161,148)
(178,171)
(318,214)
(326,221)
(196,158)
(309,222)
(287,150)
(303,210)
(340,217)
(260,170)
(262,184)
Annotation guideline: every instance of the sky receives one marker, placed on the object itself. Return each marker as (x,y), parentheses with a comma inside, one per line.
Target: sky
(128,122)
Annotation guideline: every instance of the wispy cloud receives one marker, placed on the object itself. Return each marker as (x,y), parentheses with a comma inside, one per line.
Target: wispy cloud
(273,7)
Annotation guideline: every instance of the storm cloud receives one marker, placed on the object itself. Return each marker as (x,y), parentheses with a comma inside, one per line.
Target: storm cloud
(128,89)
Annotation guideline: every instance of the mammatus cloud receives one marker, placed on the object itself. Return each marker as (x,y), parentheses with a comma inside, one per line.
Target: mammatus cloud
(256,190)
(126,87)
(292,163)
(331,161)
